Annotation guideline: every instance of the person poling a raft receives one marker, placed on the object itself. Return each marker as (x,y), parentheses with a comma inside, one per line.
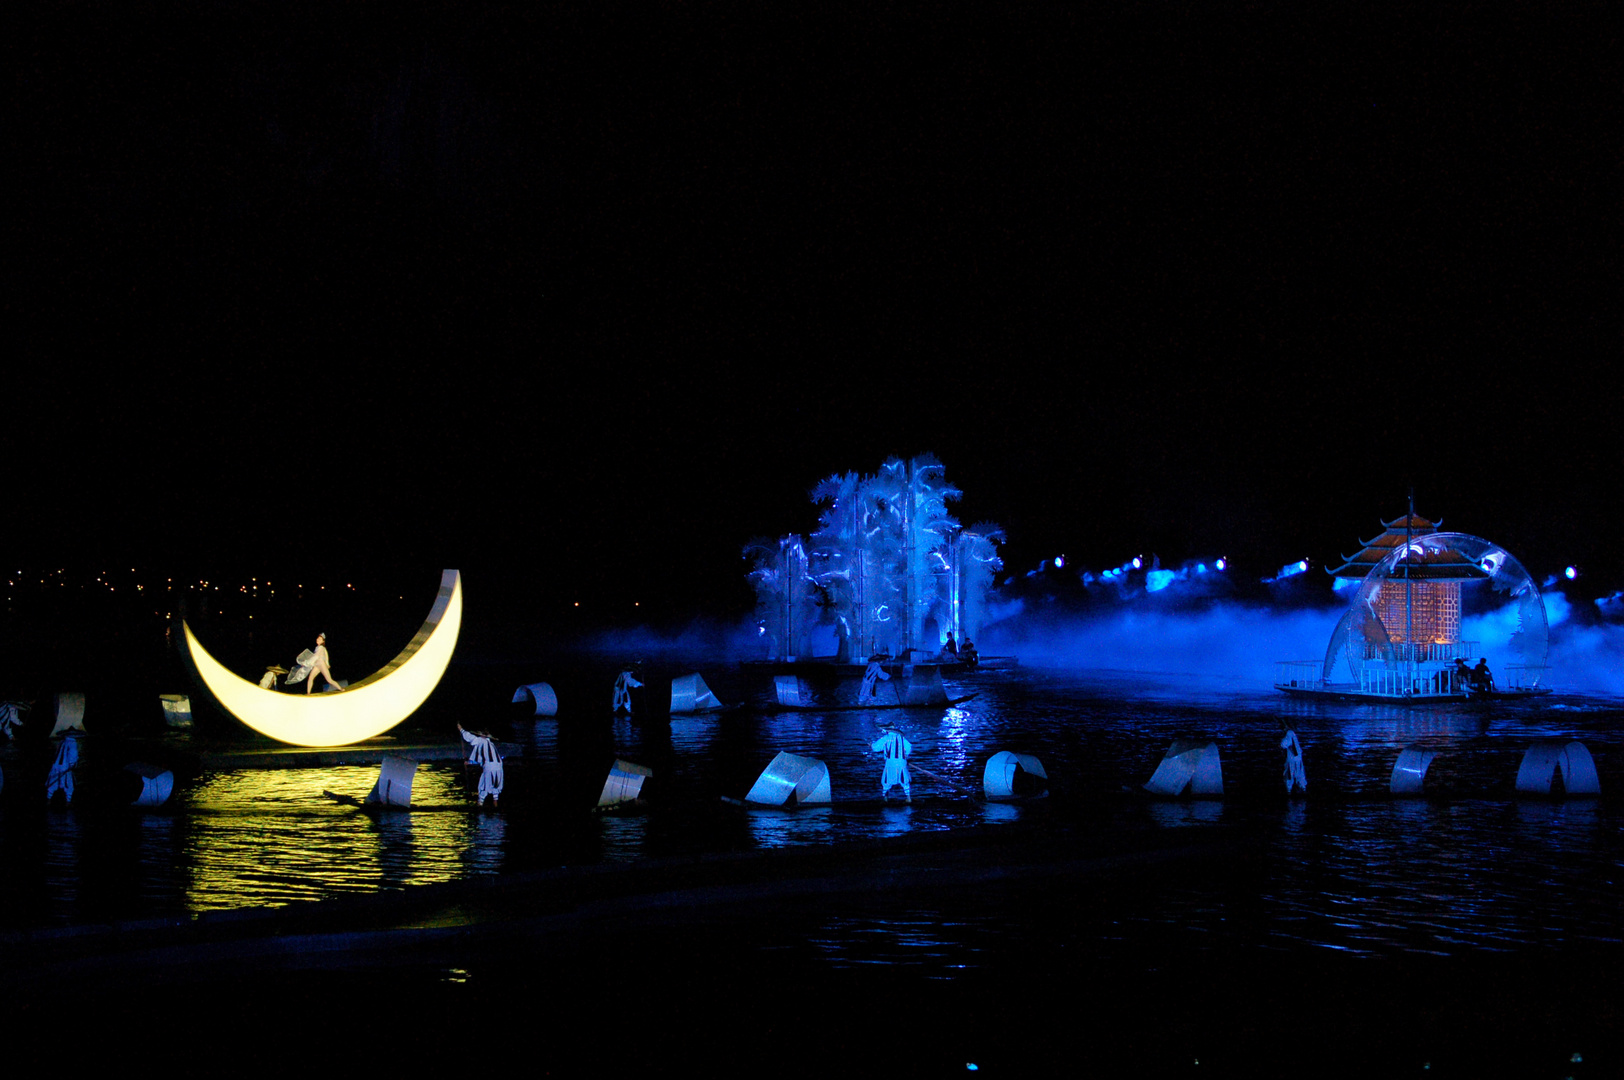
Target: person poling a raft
(896,748)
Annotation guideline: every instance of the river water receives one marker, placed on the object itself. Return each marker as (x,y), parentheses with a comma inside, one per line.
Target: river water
(1348,868)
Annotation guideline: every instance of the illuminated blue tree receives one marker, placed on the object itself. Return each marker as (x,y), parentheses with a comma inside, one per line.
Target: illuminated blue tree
(785,607)
(888,569)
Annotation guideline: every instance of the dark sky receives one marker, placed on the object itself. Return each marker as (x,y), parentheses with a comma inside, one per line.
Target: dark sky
(582,302)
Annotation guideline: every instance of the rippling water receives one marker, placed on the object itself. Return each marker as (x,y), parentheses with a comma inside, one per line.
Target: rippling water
(1347,868)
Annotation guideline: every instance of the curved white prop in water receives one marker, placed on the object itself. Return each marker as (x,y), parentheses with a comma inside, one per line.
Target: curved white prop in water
(367,708)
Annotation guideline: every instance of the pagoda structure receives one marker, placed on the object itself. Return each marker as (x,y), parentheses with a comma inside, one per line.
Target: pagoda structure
(1416,607)
(1400,638)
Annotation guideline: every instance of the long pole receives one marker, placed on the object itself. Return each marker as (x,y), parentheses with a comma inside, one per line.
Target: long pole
(1409,619)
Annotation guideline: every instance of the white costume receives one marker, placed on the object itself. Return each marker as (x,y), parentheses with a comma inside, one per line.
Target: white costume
(896,748)
(1295,775)
(871,680)
(624,684)
(61,777)
(483,752)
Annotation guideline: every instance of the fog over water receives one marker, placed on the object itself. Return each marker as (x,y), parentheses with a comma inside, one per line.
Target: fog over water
(1232,639)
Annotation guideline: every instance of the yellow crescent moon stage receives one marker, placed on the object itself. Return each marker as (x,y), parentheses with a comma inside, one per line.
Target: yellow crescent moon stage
(367,708)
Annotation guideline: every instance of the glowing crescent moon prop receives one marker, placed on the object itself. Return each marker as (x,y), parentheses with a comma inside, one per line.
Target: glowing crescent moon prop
(367,708)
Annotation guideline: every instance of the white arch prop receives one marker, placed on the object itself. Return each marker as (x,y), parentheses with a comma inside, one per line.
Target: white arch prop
(1188,763)
(540,695)
(998,779)
(1410,770)
(1545,757)
(368,708)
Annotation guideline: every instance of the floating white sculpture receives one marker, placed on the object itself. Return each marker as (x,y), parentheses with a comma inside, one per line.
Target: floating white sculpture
(690,694)
(1190,764)
(394,786)
(792,690)
(70,713)
(791,780)
(177,709)
(998,779)
(367,708)
(1544,758)
(624,783)
(1410,770)
(156,784)
(539,694)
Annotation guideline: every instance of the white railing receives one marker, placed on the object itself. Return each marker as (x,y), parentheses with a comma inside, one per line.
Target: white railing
(1422,652)
(1521,676)
(1303,673)
(1408,680)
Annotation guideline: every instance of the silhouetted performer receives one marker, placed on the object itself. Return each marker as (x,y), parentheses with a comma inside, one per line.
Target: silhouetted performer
(1464,679)
(1485,681)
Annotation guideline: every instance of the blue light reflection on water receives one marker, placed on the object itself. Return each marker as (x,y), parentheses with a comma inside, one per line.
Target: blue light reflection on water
(1347,868)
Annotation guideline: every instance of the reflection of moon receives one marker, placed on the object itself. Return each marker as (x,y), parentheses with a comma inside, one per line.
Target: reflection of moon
(369,707)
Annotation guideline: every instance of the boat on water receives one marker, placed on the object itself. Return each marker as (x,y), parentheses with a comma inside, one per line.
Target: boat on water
(1401,637)
(829,685)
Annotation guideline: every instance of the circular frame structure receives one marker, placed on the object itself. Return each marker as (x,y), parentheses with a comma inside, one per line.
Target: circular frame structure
(1513,610)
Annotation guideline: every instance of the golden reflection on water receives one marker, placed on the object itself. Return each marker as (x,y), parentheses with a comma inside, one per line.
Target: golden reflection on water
(265,838)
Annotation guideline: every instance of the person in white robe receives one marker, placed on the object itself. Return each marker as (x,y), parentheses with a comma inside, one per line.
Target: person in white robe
(871,680)
(625,683)
(1296,777)
(482,751)
(896,748)
(61,775)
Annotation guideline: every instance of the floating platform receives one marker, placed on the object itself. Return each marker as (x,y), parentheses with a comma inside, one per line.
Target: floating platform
(1333,692)
(371,752)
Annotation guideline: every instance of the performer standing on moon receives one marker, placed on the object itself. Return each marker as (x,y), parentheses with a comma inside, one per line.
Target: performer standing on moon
(313,663)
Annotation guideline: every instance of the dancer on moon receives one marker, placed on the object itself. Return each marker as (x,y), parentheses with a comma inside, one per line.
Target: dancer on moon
(311,664)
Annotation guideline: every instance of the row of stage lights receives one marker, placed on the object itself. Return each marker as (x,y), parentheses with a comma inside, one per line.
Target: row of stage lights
(105,582)
(1156,578)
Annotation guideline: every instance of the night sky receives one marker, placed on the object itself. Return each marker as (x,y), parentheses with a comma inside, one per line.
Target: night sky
(581,303)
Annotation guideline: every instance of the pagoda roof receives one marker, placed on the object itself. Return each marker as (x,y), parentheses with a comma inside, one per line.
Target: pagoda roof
(1420,565)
